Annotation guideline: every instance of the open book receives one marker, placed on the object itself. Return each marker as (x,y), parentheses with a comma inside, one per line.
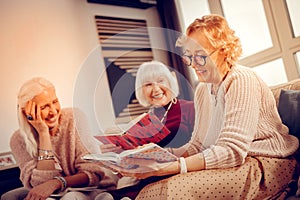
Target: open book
(137,158)
(144,129)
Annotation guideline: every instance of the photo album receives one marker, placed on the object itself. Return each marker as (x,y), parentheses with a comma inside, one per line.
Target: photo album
(137,159)
(144,129)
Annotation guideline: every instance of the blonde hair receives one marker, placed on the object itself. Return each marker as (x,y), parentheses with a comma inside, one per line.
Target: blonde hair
(149,71)
(220,36)
(27,92)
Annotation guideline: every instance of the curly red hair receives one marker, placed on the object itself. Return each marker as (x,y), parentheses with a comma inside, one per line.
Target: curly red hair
(220,36)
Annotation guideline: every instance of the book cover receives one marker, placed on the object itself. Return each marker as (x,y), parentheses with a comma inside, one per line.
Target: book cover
(146,128)
(138,158)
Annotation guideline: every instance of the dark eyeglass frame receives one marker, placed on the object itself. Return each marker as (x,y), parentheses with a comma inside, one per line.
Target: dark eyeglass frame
(195,56)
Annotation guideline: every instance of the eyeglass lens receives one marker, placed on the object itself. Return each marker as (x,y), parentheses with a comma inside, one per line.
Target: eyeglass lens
(198,59)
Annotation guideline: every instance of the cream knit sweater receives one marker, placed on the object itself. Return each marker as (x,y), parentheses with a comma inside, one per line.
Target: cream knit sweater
(241,120)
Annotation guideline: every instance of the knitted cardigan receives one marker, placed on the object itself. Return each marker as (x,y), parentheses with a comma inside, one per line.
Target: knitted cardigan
(241,120)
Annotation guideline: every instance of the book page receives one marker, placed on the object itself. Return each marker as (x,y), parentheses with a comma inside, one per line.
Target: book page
(115,157)
(132,122)
(122,128)
(110,156)
(152,152)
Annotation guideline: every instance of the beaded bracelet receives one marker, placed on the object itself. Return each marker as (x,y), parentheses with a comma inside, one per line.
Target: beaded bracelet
(45,157)
(183,168)
(46,152)
(63,182)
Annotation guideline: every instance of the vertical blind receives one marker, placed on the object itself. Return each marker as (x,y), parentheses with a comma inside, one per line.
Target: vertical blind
(125,45)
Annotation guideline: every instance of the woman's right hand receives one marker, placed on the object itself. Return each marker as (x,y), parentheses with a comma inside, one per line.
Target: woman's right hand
(110,148)
(33,115)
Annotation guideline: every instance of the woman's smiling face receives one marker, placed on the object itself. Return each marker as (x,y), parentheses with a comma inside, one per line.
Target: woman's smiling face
(157,91)
(49,107)
(199,46)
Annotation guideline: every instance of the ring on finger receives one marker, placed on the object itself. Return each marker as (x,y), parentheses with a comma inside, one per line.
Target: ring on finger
(29,117)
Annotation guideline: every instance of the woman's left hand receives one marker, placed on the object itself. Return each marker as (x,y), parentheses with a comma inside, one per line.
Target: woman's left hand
(110,148)
(145,168)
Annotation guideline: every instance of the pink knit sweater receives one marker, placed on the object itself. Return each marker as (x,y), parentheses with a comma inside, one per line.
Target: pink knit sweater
(241,120)
(69,150)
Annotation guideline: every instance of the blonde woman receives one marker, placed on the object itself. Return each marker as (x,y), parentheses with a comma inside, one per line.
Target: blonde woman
(47,146)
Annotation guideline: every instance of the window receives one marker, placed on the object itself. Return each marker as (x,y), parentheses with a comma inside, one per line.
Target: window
(265,70)
(293,9)
(254,34)
(269,31)
(297,57)
(190,9)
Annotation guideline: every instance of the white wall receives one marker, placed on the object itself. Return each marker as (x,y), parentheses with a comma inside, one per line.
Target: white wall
(54,39)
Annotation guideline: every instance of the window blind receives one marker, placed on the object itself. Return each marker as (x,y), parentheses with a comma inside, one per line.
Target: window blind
(125,45)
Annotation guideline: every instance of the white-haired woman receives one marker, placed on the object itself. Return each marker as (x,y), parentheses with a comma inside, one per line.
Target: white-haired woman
(156,88)
(47,146)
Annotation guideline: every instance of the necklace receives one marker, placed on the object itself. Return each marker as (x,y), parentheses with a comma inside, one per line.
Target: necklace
(163,118)
(173,101)
(215,89)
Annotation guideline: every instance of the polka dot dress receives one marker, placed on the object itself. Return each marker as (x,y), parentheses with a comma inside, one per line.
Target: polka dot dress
(258,178)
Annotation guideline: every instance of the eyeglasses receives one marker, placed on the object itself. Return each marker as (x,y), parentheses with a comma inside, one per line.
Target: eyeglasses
(198,59)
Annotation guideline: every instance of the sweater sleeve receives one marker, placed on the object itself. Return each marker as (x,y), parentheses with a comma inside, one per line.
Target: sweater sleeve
(242,96)
(93,171)
(29,175)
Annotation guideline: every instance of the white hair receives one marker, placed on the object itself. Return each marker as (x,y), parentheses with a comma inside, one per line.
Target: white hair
(149,71)
(27,92)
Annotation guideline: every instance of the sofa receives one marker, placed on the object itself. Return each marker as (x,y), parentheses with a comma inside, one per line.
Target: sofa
(280,92)
(287,96)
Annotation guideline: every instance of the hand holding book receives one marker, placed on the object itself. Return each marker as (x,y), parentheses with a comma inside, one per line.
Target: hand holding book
(143,159)
(110,148)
